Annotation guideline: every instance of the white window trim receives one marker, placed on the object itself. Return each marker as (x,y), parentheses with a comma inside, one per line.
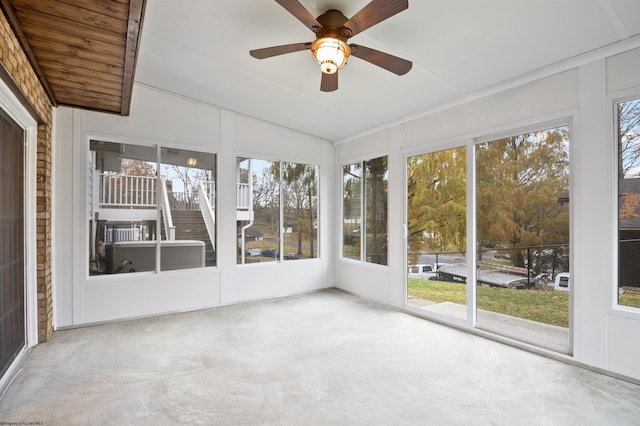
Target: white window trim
(280,161)
(362,259)
(83,248)
(612,118)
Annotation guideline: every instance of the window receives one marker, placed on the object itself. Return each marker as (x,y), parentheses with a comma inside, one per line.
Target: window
(138,196)
(188,190)
(277,211)
(300,211)
(628,132)
(365,211)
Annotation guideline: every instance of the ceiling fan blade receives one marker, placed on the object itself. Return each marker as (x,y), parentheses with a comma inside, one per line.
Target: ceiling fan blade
(299,11)
(389,62)
(329,82)
(268,52)
(373,13)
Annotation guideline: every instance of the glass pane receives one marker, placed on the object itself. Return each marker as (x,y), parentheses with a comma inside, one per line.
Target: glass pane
(522,215)
(352,210)
(437,237)
(300,211)
(376,209)
(122,208)
(187,207)
(629,203)
(258,210)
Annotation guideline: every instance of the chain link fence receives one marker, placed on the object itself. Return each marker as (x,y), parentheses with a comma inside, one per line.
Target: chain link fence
(629,265)
(539,267)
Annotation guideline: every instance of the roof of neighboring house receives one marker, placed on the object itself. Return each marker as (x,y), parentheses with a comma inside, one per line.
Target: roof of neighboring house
(252,233)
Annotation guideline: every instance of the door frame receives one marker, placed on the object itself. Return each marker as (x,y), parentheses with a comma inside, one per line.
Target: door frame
(12,106)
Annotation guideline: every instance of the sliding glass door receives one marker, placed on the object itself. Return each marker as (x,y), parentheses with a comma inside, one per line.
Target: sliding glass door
(12,249)
(518,259)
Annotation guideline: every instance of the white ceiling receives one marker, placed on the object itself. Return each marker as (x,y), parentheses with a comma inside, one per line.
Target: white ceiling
(200,49)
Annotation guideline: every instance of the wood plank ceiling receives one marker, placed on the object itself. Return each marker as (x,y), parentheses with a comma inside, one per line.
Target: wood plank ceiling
(84,51)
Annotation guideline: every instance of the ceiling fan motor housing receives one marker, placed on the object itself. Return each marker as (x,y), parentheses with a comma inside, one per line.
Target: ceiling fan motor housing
(330,49)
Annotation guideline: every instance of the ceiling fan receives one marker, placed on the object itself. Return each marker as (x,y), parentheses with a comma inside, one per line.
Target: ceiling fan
(332,30)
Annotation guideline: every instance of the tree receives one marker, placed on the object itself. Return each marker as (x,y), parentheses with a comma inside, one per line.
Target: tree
(376,209)
(189,177)
(266,194)
(299,186)
(519,181)
(437,201)
(629,139)
(132,167)
(300,189)
(352,208)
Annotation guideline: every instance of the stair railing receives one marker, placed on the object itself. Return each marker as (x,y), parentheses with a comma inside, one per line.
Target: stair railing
(167,220)
(205,190)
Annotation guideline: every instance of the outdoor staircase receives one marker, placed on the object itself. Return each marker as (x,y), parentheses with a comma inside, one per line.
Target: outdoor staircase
(190,225)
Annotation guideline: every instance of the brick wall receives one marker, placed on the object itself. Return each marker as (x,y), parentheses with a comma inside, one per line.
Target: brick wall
(16,63)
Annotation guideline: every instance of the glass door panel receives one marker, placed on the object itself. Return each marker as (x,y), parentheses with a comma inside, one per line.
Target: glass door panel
(522,225)
(436,232)
(12,262)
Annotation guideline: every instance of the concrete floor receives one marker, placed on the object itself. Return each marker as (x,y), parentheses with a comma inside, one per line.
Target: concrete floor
(321,358)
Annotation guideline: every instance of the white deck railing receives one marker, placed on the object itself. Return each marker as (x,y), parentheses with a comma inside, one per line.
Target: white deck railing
(127,191)
(124,234)
(124,191)
(210,190)
(243,197)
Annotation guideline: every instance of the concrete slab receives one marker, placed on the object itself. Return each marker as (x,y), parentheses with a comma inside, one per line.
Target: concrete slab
(326,358)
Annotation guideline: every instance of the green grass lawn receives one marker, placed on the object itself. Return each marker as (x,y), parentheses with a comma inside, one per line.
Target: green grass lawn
(629,300)
(549,307)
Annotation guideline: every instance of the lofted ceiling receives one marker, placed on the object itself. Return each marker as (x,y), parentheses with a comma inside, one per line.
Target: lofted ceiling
(199,49)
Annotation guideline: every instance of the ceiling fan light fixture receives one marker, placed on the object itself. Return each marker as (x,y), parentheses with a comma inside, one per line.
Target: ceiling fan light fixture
(331,53)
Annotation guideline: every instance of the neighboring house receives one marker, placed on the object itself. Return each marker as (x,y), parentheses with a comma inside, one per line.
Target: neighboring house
(253,235)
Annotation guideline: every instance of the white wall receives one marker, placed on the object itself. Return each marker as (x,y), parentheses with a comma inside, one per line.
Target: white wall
(580,91)
(167,120)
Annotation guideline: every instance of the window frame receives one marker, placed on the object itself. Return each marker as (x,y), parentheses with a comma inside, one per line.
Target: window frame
(615,100)
(281,198)
(363,204)
(158,146)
